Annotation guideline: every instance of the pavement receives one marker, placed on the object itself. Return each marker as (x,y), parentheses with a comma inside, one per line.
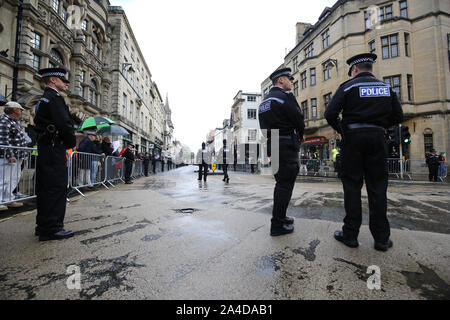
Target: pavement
(170,236)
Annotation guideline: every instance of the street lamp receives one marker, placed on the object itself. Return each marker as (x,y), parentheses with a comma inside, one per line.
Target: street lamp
(127,67)
(331,63)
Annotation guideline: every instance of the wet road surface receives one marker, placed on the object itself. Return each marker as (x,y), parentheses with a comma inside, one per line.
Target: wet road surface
(170,236)
(422,207)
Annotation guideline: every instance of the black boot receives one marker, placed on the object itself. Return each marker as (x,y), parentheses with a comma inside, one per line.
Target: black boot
(383,246)
(281,230)
(352,243)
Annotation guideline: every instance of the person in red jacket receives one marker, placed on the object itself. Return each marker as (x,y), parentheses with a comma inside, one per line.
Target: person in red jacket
(128,154)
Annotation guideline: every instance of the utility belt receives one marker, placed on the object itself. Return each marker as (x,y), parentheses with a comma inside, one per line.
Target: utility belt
(353,126)
(293,137)
(50,135)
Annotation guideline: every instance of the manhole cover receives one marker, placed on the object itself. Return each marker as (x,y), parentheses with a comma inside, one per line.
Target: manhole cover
(186,210)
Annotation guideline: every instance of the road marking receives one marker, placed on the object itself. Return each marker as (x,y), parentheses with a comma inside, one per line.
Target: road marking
(23,214)
(27,213)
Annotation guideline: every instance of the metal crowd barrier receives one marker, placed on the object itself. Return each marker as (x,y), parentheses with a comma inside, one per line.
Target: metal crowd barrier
(86,170)
(115,169)
(138,169)
(18,178)
(17,174)
(419,169)
(393,166)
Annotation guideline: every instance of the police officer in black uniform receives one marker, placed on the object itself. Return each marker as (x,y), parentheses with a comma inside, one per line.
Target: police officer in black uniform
(55,127)
(368,106)
(280,110)
(203,162)
(225,157)
(433,162)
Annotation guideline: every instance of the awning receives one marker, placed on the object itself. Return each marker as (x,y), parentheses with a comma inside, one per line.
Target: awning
(315,141)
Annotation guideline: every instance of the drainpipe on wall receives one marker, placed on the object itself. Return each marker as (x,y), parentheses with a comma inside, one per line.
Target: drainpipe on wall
(17,49)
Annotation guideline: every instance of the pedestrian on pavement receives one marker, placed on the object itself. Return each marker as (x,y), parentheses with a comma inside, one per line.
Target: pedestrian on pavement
(203,161)
(11,134)
(334,153)
(128,154)
(89,163)
(368,107)
(154,163)
(303,167)
(433,165)
(146,163)
(55,127)
(280,111)
(115,146)
(442,172)
(316,158)
(225,157)
(107,147)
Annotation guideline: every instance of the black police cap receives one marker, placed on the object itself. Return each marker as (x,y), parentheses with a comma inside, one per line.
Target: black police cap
(54,72)
(280,73)
(361,58)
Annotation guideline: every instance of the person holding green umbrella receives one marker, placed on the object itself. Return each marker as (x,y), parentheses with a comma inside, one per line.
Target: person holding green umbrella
(95,123)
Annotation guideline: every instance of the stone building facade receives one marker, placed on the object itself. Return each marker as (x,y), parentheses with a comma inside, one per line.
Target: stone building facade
(54,35)
(411,39)
(136,100)
(95,43)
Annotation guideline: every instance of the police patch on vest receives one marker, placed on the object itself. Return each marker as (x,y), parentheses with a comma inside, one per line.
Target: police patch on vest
(372,92)
(265,106)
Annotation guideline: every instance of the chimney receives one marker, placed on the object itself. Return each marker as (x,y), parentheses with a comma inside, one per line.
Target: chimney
(301,27)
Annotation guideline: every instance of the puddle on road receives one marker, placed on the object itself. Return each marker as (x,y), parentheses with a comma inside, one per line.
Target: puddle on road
(186,210)
(428,283)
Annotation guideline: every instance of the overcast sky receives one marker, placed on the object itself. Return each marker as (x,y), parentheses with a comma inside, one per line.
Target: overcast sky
(202,52)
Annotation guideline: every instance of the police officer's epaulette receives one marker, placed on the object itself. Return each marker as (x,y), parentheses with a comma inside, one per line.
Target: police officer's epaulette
(44,100)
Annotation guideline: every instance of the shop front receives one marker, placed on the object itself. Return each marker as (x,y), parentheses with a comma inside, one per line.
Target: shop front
(319,144)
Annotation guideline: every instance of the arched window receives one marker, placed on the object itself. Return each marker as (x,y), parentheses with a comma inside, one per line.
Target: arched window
(93,92)
(56,59)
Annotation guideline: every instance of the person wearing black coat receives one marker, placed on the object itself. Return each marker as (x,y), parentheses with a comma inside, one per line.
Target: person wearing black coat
(55,128)
(368,107)
(225,157)
(203,160)
(433,161)
(279,111)
(146,163)
(107,147)
(153,158)
(128,154)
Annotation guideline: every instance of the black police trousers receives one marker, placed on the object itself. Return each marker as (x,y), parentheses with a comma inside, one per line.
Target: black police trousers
(225,171)
(51,187)
(128,170)
(433,172)
(364,158)
(202,167)
(285,181)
